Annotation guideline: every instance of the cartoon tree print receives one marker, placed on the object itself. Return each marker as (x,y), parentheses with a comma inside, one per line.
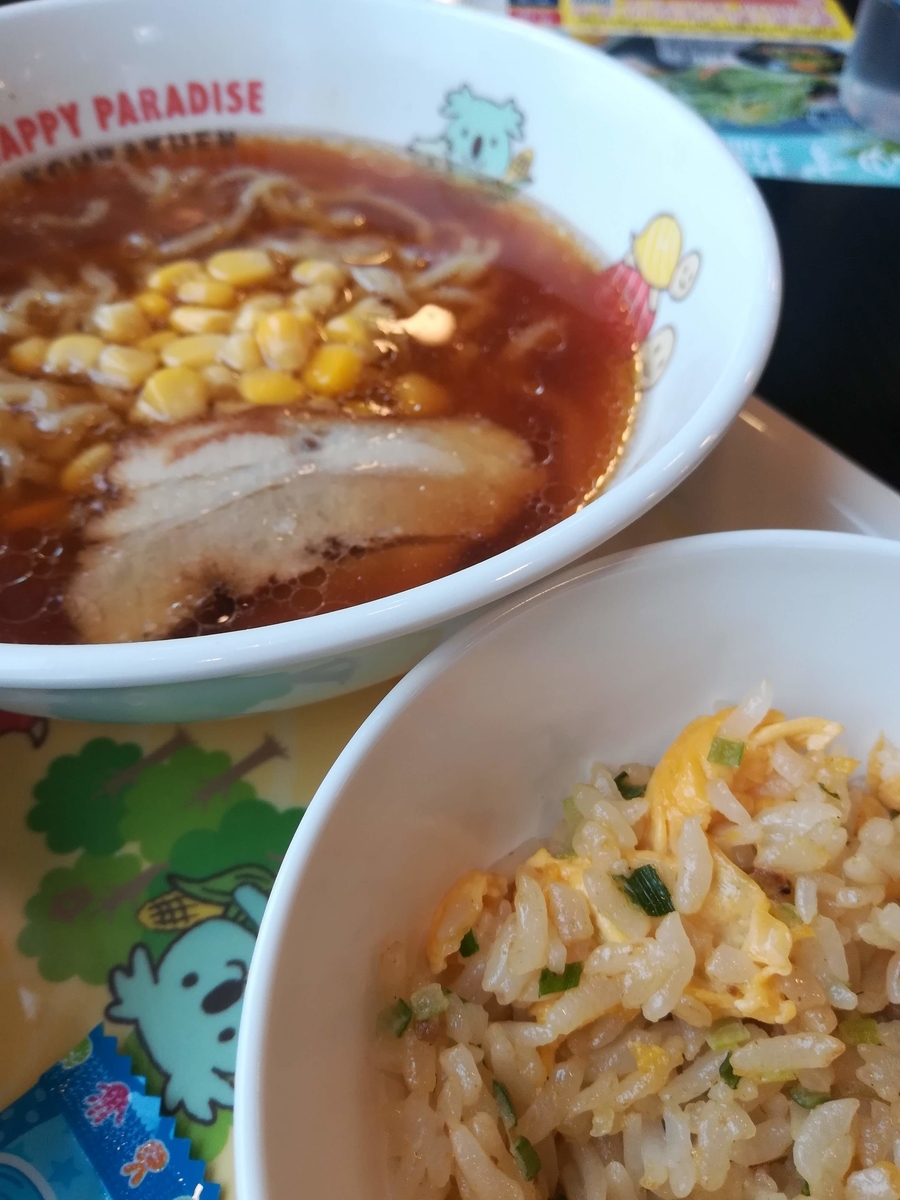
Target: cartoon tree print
(80,800)
(206,867)
(69,932)
(192,790)
(83,919)
(78,805)
(253,831)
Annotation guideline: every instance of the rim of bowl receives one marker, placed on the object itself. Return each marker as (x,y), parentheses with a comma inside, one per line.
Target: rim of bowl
(249,1141)
(291,643)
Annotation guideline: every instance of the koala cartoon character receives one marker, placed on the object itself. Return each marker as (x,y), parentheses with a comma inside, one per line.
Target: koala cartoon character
(653,266)
(479,135)
(188,1007)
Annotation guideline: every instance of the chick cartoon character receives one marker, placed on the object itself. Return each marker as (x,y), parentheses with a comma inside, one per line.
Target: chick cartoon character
(653,266)
(187,1007)
(479,137)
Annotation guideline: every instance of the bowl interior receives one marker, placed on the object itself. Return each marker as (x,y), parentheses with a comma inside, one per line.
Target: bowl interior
(608,151)
(471,756)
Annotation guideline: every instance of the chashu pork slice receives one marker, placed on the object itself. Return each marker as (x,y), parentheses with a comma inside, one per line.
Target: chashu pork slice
(237,503)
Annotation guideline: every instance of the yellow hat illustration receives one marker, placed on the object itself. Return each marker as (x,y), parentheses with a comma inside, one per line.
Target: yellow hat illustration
(657,251)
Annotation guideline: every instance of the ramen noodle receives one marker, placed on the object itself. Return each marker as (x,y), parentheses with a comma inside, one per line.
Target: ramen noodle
(248,383)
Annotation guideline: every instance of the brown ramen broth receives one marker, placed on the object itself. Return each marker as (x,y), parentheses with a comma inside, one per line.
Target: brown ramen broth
(399,375)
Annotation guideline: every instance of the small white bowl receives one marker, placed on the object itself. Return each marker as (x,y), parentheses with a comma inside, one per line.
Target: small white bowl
(610,152)
(471,755)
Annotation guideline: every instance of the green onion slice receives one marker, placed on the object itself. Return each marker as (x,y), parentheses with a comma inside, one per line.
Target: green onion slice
(860,1031)
(428,1002)
(725,753)
(572,813)
(572,819)
(526,1158)
(727,1034)
(628,790)
(504,1103)
(469,945)
(396,1018)
(804,1191)
(727,1072)
(645,889)
(787,914)
(806,1098)
(550,982)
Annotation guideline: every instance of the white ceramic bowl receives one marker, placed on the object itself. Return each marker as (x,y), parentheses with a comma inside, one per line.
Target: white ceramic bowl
(471,755)
(611,151)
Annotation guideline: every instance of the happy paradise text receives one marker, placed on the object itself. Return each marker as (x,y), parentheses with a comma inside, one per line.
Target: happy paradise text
(41,130)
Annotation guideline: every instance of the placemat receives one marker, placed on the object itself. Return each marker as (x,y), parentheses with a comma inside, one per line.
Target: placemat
(135,862)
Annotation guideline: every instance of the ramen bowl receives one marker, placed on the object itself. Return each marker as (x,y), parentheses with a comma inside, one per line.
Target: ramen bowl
(642,182)
(469,758)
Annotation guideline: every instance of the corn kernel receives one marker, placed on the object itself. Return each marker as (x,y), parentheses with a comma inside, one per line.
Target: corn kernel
(323,404)
(203,290)
(357,408)
(197,351)
(251,310)
(60,448)
(28,356)
(81,473)
(333,370)
(169,278)
(173,394)
(230,405)
(188,319)
(241,352)
(348,329)
(124,367)
(241,268)
(74,354)
(285,339)
(153,304)
(219,378)
(319,270)
(123,322)
(270,387)
(156,341)
(38,513)
(418,396)
(318,298)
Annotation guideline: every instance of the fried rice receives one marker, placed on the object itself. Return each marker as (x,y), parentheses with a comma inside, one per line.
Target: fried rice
(691,990)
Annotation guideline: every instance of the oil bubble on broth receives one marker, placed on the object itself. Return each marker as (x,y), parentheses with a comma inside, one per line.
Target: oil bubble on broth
(241,385)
